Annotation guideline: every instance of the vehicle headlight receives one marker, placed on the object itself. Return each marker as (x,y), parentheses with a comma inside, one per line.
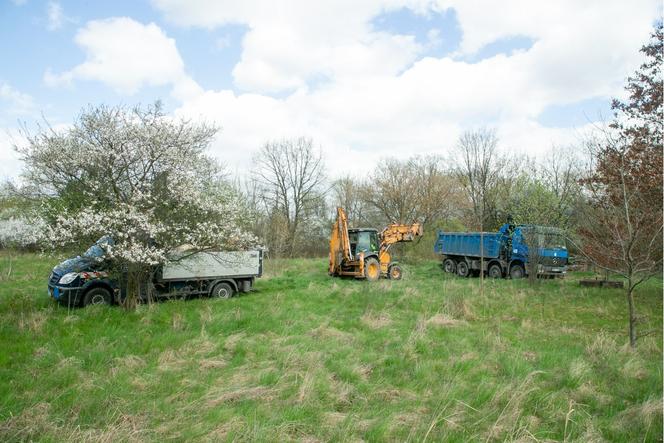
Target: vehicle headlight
(68,278)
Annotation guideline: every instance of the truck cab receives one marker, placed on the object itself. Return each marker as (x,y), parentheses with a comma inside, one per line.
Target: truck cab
(548,245)
(84,279)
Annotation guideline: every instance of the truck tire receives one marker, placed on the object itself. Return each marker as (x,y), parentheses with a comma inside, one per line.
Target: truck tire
(516,272)
(449,266)
(495,271)
(222,290)
(462,269)
(395,272)
(97,296)
(371,269)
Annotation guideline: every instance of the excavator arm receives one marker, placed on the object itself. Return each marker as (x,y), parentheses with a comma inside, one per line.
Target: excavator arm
(396,233)
(339,242)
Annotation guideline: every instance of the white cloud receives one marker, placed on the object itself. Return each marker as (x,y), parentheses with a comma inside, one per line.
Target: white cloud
(127,55)
(10,163)
(55,16)
(364,93)
(18,102)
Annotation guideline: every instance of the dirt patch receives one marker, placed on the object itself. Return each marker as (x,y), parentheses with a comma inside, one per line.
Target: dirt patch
(376,321)
(34,322)
(328,332)
(170,360)
(212,364)
(245,393)
(444,320)
(232,341)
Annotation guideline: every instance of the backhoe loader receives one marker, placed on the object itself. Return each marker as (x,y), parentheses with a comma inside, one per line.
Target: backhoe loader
(363,253)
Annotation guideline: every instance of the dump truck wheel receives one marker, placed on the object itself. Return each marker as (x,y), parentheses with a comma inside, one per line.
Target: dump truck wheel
(371,269)
(449,266)
(97,296)
(395,272)
(495,271)
(462,269)
(517,271)
(222,290)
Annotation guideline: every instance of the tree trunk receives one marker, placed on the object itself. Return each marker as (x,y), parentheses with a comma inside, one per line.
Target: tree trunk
(632,314)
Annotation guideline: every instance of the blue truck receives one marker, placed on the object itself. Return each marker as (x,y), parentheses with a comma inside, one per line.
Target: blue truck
(505,253)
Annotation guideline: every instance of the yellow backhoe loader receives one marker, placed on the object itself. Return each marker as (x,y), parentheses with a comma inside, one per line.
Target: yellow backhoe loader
(363,253)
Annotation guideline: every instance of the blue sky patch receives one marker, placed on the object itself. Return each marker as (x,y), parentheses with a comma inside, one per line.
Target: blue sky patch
(439,32)
(577,114)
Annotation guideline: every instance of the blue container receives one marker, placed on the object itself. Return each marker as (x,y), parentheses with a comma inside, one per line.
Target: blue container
(468,244)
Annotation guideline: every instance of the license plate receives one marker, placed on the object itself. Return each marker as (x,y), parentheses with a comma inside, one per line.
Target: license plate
(56,293)
(556,269)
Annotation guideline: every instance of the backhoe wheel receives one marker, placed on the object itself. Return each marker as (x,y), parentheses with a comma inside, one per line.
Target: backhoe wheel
(462,269)
(449,266)
(371,269)
(395,272)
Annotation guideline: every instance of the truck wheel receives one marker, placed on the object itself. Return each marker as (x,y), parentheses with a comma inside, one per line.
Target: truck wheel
(495,271)
(222,290)
(449,266)
(516,271)
(462,269)
(371,269)
(395,272)
(97,296)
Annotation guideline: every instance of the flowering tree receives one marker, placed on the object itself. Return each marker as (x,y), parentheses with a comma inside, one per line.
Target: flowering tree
(140,178)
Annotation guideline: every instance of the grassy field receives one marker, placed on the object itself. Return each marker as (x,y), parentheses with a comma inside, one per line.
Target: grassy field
(310,358)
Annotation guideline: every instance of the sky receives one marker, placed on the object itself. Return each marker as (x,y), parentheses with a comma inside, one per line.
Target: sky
(364,79)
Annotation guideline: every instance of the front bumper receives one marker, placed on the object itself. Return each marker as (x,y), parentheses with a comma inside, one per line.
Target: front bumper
(551,270)
(65,295)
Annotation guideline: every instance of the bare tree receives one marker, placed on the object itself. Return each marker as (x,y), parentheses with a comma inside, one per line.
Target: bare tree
(291,174)
(479,169)
(416,189)
(560,173)
(347,193)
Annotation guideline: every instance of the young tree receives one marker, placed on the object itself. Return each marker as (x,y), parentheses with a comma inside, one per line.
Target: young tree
(291,174)
(138,177)
(624,234)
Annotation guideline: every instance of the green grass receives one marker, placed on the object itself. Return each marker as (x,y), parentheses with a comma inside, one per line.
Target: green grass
(310,358)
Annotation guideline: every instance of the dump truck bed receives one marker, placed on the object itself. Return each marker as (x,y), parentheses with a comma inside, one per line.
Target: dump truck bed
(468,244)
(208,265)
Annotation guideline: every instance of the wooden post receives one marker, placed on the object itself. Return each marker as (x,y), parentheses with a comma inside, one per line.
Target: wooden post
(482,255)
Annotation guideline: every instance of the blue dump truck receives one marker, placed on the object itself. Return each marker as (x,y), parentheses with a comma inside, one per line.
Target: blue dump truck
(505,253)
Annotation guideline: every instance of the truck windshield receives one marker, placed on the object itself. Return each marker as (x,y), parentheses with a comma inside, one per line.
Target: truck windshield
(552,240)
(97,250)
(545,237)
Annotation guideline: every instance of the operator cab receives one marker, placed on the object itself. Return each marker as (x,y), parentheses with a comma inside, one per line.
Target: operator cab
(363,240)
